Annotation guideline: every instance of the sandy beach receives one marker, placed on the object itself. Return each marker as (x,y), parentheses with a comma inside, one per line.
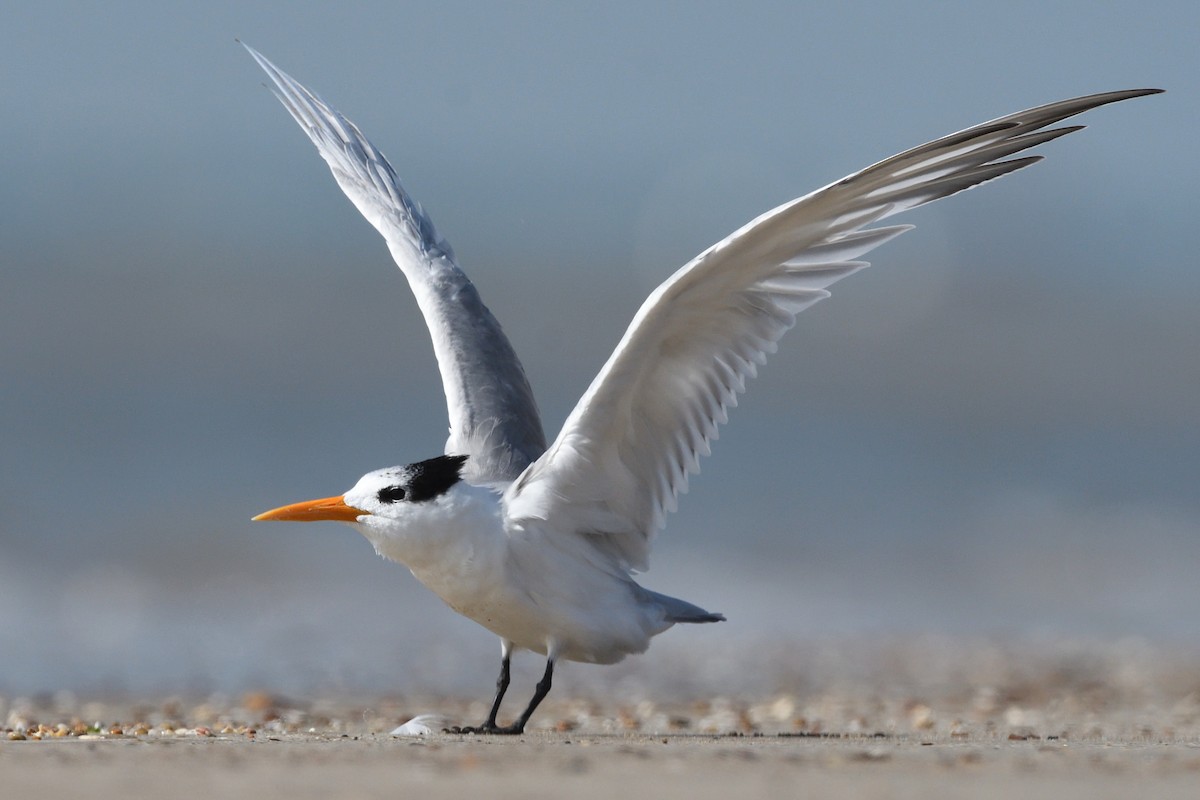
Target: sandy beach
(962,719)
(550,764)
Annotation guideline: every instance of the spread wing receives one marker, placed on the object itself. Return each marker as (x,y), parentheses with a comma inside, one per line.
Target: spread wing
(626,451)
(493,416)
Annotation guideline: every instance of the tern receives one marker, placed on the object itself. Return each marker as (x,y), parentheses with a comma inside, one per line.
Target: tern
(539,544)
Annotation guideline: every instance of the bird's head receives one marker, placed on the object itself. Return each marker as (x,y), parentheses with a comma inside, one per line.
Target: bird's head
(385,494)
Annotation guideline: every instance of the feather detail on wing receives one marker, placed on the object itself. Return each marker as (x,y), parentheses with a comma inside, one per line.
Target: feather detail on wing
(625,453)
(493,416)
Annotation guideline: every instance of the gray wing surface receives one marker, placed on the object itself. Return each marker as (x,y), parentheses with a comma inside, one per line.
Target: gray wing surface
(493,417)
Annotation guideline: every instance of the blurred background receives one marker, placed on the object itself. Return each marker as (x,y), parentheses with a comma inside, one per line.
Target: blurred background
(992,433)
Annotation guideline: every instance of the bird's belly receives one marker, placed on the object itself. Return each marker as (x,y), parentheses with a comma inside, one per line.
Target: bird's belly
(495,606)
(582,615)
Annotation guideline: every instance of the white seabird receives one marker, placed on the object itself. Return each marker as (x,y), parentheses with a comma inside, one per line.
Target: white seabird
(539,544)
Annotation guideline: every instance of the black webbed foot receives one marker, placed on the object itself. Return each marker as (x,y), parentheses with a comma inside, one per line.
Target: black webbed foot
(486,728)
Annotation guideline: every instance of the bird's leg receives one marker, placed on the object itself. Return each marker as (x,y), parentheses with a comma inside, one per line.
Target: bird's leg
(501,687)
(543,689)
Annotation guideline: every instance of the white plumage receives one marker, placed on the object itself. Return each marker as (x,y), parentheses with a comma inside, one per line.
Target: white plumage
(539,544)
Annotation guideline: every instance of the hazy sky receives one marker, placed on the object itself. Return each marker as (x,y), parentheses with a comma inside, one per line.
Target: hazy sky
(993,430)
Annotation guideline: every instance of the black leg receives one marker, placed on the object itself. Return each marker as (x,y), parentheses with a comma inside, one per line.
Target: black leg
(543,689)
(501,688)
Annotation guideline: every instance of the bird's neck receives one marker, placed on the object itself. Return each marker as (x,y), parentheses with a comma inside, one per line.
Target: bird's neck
(461,527)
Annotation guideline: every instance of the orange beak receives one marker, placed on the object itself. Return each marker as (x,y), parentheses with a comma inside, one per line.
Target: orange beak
(334,508)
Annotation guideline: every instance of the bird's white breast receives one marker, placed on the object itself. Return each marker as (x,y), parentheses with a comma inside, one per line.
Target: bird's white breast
(539,588)
(453,544)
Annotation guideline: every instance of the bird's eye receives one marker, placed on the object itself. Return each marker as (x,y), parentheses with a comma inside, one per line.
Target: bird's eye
(391,494)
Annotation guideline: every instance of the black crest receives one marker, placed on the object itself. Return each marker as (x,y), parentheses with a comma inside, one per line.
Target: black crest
(426,480)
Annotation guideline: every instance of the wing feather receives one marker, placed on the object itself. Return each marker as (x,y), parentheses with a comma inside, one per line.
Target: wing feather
(493,416)
(624,454)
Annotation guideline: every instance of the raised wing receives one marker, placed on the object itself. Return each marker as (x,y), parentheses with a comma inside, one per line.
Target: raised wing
(626,451)
(493,416)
